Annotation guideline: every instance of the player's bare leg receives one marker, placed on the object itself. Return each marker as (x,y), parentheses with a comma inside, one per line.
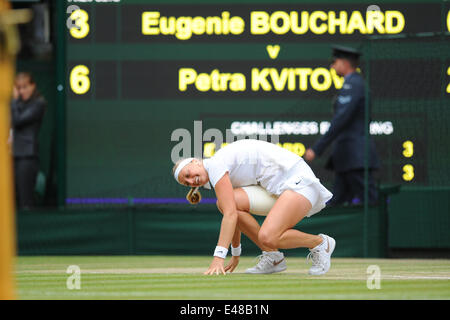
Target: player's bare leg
(271,260)
(247,224)
(277,230)
(288,210)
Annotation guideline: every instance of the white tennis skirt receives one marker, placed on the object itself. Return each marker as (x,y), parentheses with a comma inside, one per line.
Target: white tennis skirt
(261,201)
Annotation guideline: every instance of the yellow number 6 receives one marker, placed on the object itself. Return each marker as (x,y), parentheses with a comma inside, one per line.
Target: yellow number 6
(79,80)
(81,18)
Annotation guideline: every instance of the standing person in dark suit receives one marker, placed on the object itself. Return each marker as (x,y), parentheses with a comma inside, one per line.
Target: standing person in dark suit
(347,131)
(27,112)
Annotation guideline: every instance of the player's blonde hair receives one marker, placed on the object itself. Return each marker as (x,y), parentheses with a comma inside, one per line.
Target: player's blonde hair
(193,196)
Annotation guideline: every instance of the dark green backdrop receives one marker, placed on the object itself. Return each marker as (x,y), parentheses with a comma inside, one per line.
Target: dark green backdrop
(119,132)
(114,142)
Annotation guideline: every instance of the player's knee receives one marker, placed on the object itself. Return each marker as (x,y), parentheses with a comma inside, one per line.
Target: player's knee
(267,239)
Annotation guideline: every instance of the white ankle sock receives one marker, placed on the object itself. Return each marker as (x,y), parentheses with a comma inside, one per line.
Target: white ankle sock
(318,246)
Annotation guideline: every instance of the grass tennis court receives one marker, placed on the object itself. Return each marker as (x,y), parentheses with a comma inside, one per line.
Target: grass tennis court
(180,277)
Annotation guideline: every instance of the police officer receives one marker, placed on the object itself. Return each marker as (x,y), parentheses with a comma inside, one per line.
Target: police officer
(347,132)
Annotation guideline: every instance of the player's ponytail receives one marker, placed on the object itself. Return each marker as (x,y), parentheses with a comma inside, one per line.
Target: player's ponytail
(194,196)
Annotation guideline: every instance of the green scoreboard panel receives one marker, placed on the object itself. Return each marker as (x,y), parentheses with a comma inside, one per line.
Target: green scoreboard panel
(148,82)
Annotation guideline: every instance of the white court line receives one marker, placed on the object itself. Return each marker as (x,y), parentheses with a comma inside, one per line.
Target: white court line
(417,277)
(199,271)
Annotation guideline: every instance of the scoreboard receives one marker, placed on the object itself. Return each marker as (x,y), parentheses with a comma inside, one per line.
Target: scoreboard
(148,82)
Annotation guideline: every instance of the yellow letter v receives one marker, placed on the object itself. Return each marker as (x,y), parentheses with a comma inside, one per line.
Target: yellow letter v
(273,51)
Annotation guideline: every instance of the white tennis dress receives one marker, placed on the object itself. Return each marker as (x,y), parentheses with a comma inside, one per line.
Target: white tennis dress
(253,164)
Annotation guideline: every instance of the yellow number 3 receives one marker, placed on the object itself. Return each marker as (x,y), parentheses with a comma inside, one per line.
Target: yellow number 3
(81,28)
(448,86)
(408,174)
(408,149)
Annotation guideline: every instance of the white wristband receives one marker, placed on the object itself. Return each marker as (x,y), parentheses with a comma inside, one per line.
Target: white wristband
(220,252)
(236,252)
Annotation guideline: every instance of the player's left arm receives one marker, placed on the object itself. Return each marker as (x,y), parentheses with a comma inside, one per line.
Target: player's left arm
(235,243)
(225,197)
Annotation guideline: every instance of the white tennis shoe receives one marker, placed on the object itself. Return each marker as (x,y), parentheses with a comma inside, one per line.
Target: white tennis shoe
(321,256)
(269,262)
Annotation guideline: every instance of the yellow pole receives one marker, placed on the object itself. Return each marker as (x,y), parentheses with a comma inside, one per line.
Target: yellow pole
(7,224)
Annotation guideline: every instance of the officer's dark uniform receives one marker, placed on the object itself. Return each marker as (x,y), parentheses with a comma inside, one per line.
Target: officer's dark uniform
(347,132)
(26,118)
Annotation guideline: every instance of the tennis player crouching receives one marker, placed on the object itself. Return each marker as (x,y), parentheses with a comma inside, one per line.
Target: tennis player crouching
(257,177)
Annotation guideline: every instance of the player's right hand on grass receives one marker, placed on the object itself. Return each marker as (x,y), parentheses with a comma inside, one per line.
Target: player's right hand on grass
(232,264)
(216,267)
